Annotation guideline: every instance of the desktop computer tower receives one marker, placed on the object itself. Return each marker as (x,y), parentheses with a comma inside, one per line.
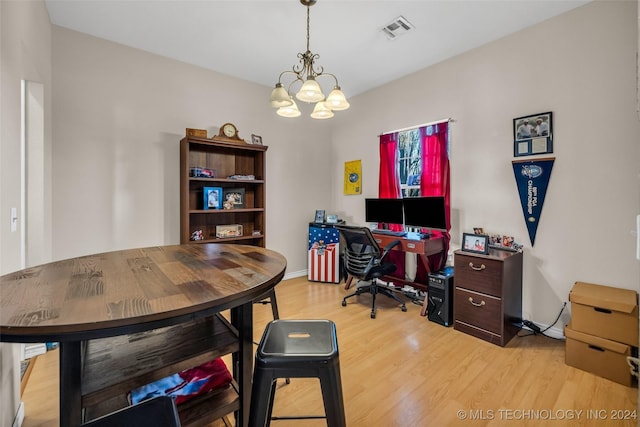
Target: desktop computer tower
(440,297)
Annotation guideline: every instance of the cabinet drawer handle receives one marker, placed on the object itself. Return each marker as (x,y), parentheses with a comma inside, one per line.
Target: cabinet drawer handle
(477,304)
(482,267)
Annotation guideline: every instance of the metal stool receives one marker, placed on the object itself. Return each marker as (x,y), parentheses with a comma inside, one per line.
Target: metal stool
(297,349)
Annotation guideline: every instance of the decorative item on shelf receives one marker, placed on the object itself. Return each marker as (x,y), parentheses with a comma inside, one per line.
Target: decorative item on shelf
(198,172)
(197,235)
(307,73)
(256,139)
(228,133)
(476,243)
(332,219)
(232,230)
(499,241)
(478,230)
(235,197)
(319,216)
(212,197)
(198,133)
(256,233)
(533,135)
(243,177)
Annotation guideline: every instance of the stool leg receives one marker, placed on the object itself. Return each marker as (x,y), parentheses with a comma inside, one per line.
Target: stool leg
(262,394)
(274,304)
(272,398)
(276,316)
(331,385)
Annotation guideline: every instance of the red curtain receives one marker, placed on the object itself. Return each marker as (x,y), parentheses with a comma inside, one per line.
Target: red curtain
(389,181)
(434,181)
(389,188)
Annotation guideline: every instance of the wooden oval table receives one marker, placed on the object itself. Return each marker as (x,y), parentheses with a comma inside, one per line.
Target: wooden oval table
(126,318)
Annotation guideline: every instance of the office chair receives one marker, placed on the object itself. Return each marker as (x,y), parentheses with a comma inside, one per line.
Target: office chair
(364,260)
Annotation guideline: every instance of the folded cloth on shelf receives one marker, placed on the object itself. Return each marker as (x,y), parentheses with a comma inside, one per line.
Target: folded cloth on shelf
(187,384)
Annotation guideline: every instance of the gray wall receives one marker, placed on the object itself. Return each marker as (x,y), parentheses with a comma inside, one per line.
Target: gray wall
(120,114)
(581,66)
(25,54)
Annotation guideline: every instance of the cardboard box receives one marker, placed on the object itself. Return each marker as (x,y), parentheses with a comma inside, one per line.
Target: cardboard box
(605,312)
(605,358)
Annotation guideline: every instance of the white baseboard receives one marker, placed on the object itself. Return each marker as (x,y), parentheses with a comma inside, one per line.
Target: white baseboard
(294,274)
(19,418)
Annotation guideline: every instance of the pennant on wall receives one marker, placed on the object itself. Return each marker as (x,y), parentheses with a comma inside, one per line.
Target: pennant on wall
(353,177)
(532,179)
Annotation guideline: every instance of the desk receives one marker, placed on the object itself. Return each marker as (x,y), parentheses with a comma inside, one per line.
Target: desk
(422,247)
(89,299)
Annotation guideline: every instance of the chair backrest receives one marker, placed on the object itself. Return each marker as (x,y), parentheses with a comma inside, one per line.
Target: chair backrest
(361,253)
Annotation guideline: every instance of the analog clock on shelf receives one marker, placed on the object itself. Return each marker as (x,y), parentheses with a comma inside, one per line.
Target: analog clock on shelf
(228,132)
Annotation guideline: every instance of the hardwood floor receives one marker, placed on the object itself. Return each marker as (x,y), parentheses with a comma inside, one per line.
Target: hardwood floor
(402,370)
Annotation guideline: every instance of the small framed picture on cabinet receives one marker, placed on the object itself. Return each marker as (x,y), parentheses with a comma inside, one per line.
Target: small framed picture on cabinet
(477,243)
(212,197)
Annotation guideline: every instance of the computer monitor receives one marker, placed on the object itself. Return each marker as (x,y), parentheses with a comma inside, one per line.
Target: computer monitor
(425,212)
(383,210)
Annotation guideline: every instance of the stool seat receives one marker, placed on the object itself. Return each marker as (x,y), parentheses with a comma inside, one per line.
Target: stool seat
(297,349)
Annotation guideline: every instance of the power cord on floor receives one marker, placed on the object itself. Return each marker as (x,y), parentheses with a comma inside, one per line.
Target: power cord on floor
(535,329)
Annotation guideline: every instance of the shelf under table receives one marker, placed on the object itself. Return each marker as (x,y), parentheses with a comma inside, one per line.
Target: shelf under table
(112,367)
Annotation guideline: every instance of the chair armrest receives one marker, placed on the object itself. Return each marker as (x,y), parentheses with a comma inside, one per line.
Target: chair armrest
(390,246)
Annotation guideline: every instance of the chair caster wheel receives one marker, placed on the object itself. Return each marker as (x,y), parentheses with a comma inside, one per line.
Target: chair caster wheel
(404,308)
(344,303)
(373,315)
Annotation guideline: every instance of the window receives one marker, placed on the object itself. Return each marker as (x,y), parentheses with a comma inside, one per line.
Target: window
(409,162)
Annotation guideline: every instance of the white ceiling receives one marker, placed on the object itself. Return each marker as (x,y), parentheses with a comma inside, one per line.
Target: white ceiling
(255,40)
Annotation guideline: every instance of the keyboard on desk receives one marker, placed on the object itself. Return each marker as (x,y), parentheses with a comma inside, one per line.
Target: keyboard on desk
(390,232)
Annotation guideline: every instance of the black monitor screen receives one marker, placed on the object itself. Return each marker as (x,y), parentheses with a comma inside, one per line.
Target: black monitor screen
(426,212)
(383,210)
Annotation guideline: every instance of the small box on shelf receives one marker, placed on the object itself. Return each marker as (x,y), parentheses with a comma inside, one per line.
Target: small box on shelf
(231,230)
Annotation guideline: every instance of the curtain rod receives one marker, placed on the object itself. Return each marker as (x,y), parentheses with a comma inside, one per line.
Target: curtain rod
(448,119)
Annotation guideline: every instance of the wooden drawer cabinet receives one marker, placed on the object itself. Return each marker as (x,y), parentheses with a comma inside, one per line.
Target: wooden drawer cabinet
(488,294)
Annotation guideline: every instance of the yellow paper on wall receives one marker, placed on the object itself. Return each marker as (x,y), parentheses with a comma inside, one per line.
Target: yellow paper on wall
(353,177)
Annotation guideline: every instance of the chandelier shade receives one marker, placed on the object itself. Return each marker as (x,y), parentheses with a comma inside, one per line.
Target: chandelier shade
(280,97)
(290,110)
(307,73)
(310,91)
(336,100)
(320,111)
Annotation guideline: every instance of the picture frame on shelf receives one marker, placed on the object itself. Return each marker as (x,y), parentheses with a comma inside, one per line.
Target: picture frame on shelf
(332,219)
(476,243)
(319,216)
(256,139)
(212,197)
(233,198)
(533,134)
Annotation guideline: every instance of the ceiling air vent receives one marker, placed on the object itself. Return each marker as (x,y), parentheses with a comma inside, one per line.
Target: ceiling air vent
(397,27)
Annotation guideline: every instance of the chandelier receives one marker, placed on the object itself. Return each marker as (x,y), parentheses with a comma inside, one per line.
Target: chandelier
(307,73)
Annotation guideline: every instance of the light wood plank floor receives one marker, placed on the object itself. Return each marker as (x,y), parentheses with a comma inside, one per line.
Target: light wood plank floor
(402,370)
